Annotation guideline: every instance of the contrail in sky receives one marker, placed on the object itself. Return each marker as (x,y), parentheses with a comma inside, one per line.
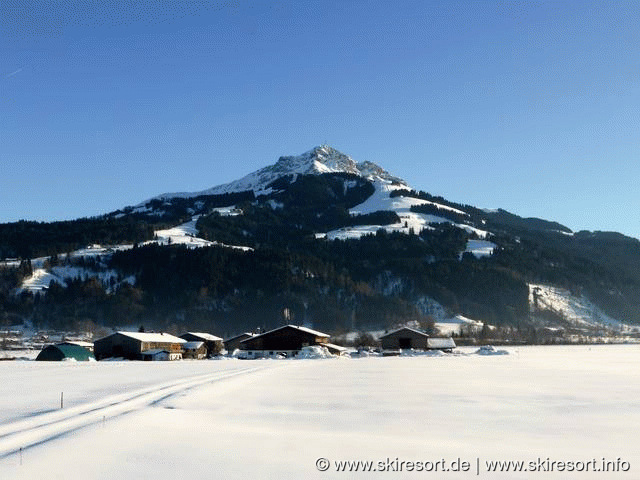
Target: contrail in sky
(13,73)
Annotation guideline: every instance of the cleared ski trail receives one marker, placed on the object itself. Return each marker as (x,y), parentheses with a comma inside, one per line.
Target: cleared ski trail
(38,429)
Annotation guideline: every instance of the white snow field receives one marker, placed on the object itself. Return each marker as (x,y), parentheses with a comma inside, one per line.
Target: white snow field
(409,221)
(187,234)
(274,419)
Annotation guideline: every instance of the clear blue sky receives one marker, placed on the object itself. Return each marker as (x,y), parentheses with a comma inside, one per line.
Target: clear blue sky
(529,106)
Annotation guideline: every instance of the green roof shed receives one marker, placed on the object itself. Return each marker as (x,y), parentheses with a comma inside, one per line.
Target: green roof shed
(55,353)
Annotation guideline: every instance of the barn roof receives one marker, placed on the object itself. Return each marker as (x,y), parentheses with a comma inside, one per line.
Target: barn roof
(205,336)
(308,330)
(295,327)
(393,332)
(153,337)
(62,351)
(333,347)
(441,343)
(245,334)
(78,343)
(192,345)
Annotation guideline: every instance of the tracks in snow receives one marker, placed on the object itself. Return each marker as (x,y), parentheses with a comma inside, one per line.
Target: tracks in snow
(39,429)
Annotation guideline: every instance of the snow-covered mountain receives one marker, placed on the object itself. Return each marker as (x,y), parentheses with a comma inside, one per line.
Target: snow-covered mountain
(470,261)
(319,160)
(325,159)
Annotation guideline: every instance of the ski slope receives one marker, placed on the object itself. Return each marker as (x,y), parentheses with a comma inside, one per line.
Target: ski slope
(409,221)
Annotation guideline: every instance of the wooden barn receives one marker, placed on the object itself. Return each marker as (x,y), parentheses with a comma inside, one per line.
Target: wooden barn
(194,350)
(286,341)
(213,344)
(63,351)
(131,345)
(405,338)
(233,343)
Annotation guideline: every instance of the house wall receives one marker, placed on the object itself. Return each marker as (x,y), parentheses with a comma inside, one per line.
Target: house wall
(404,339)
(213,346)
(169,346)
(156,357)
(283,340)
(234,343)
(118,345)
(251,354)
(161,356)
(197,354)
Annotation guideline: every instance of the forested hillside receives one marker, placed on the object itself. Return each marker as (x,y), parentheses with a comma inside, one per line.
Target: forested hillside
(371,281)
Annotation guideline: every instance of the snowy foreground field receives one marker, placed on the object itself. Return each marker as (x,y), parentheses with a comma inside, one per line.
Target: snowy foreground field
(411,417)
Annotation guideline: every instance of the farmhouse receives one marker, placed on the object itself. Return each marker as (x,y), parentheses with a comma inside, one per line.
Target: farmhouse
(233,343)
(132,345)
(286,341)
(213,345)
(64,351)
(404,338)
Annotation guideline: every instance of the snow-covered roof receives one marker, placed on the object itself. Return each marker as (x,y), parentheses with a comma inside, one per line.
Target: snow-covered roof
(305,329)
(205,336)
(78,343)
(332,346)
(404,328)
(153,337)
(192,345)
(245,334)
(444,342)
(296,327)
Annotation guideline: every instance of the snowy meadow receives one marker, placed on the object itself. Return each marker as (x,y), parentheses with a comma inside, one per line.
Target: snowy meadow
(564,412)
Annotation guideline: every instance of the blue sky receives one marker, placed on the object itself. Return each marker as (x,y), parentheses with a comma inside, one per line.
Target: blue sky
(529,106)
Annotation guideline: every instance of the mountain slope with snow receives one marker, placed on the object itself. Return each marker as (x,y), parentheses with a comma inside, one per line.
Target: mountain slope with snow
(319,160)
(326,160)
(410,221)
(573,310)
(44,273)
(470,261)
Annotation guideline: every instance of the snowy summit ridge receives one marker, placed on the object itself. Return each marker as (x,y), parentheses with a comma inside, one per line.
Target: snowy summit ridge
(319,160)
